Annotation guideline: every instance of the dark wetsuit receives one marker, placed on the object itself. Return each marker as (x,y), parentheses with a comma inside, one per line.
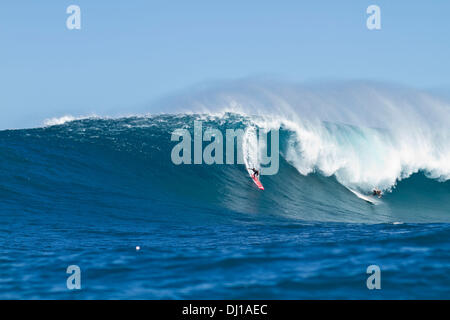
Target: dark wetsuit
(255,173)
(377,193)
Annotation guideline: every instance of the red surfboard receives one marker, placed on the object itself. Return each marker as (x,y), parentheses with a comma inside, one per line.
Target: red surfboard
(255,180)
(258,183)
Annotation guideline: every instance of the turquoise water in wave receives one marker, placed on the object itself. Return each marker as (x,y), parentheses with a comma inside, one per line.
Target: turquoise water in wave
(88,192)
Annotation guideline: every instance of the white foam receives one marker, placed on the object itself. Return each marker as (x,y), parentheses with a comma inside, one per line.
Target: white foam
(250,148)
(59,120)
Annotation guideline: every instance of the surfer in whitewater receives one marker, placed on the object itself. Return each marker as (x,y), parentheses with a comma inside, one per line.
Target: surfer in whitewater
(255,173)
(376,192)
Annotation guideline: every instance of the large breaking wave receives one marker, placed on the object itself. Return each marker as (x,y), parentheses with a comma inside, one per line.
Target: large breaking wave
(365,134)
(97,165)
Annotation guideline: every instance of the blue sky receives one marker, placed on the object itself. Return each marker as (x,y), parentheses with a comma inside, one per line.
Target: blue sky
(129,53)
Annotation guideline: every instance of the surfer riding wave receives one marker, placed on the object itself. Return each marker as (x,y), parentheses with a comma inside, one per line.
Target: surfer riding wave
(255,174)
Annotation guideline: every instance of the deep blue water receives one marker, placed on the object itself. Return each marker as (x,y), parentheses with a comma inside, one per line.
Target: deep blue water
(88,192)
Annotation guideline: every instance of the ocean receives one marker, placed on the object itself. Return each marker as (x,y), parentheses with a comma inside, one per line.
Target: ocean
(88,192)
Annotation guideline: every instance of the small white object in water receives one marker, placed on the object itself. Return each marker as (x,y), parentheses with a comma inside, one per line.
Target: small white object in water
(397,222)
(138,248)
